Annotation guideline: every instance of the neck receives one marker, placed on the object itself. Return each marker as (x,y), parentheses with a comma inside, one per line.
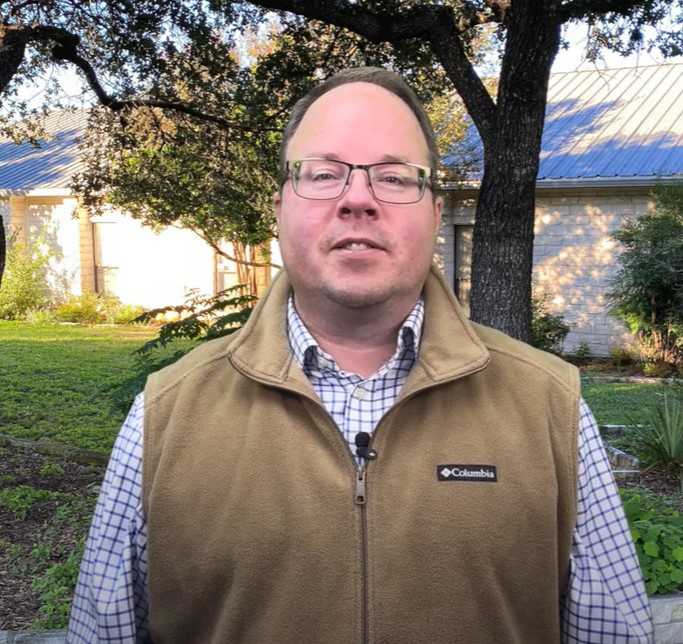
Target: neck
(359,340)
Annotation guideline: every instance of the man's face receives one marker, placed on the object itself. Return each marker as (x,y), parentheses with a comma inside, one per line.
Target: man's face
(356,251)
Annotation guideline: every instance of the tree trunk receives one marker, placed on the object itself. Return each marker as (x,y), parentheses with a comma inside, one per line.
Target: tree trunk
(504,221)
(12,46)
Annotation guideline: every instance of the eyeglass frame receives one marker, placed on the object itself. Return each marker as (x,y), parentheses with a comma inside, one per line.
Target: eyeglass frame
(427,178)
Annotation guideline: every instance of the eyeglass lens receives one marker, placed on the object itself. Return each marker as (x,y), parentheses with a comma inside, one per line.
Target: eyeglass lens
(326,179)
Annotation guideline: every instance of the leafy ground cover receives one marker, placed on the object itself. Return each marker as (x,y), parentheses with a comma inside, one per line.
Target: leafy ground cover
(54,381)
(45,510)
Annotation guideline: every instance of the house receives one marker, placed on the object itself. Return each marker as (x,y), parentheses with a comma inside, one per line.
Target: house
(609,137)
(109,254)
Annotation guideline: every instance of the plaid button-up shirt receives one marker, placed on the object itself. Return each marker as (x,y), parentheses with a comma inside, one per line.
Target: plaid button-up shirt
(604,601)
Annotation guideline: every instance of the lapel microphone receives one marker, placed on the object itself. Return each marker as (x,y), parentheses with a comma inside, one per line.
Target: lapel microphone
(362,446)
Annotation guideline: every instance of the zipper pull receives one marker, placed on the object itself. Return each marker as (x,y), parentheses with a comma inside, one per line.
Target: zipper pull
(360,487)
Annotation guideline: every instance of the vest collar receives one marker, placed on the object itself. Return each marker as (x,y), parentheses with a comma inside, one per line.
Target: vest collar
(449,348)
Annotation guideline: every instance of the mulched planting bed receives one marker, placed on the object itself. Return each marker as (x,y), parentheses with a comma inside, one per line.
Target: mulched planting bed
(47,535)
(659,480)
(45,508)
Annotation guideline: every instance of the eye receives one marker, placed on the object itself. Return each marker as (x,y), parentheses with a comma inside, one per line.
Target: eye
(322,172)
(392,179)
(323,175)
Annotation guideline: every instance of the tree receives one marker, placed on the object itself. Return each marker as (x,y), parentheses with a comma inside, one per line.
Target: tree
(196,146)
(172,168)
(511,125)
(647,291)
(410,36)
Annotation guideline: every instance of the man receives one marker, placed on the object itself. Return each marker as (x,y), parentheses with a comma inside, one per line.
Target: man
(360,463)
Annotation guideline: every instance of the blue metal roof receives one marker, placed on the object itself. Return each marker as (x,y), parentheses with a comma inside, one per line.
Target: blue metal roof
(611,123)
(24,168)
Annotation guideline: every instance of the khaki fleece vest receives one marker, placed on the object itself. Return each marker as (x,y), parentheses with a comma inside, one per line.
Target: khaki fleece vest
(255,532)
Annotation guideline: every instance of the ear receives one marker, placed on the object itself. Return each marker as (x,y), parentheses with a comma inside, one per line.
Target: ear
(277,202)
(438,205)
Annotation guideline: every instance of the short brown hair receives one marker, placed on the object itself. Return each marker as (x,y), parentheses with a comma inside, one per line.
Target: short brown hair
(384,78)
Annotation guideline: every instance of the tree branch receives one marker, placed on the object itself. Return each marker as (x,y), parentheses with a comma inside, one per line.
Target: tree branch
(499,9)
(12,46)
(16,8)
(66,48)
(437,24)
(579,8)
(227,256)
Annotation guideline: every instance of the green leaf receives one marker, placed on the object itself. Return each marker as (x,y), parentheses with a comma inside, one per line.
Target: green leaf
(677,554)
(677,575)
(651,548)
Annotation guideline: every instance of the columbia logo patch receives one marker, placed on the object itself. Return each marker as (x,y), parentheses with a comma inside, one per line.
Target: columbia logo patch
(483,473)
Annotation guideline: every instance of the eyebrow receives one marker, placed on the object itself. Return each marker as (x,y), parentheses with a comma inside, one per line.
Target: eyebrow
(387,158)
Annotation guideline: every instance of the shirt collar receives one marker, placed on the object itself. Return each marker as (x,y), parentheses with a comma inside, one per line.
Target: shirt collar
(308,353)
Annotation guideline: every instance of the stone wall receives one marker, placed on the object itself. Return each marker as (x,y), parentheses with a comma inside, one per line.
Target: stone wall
(667,615)
(573,255)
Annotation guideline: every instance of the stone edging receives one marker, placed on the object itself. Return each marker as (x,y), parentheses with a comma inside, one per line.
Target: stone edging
(32,637)
(67,452)
(643,380)
(667,615)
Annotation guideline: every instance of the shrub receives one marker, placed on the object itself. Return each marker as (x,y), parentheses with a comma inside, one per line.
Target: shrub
(657,532)
(117,313)
(582,351)
(24,283)
(657,369)
(658,440)
(40,317)
(621,355)
(91,308)
(548,330)
(83,309)
(647,291)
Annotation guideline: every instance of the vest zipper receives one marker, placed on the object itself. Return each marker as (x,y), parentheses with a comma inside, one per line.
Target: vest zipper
(361,499)
(360,487)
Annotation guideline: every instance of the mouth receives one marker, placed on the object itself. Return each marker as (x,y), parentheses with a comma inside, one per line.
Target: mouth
(357,244)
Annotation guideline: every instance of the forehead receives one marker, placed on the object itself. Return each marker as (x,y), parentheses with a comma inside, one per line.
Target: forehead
(360,123)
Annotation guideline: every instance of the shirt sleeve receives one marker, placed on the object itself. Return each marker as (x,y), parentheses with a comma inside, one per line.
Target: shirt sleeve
(605,599)
(110,601)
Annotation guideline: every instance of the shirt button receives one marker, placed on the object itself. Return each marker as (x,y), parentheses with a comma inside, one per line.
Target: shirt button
(360,394)
(323,363)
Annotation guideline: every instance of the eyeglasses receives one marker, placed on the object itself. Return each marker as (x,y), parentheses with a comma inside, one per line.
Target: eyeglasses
(321,179)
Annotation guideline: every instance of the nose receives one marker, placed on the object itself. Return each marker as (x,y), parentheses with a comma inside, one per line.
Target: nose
(358,199)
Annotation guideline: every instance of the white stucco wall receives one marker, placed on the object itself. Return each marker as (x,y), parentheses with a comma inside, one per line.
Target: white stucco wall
(51,220)
(53,217)
(153,269)
(573,256)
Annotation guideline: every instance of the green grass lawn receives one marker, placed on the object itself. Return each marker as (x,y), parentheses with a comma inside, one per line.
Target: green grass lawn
(53,380)
(618,403)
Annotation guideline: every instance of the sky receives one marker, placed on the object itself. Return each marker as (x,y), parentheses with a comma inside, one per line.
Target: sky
(574,58)
(567,60)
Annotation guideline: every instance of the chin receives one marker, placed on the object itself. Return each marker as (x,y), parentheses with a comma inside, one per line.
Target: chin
(359,299)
